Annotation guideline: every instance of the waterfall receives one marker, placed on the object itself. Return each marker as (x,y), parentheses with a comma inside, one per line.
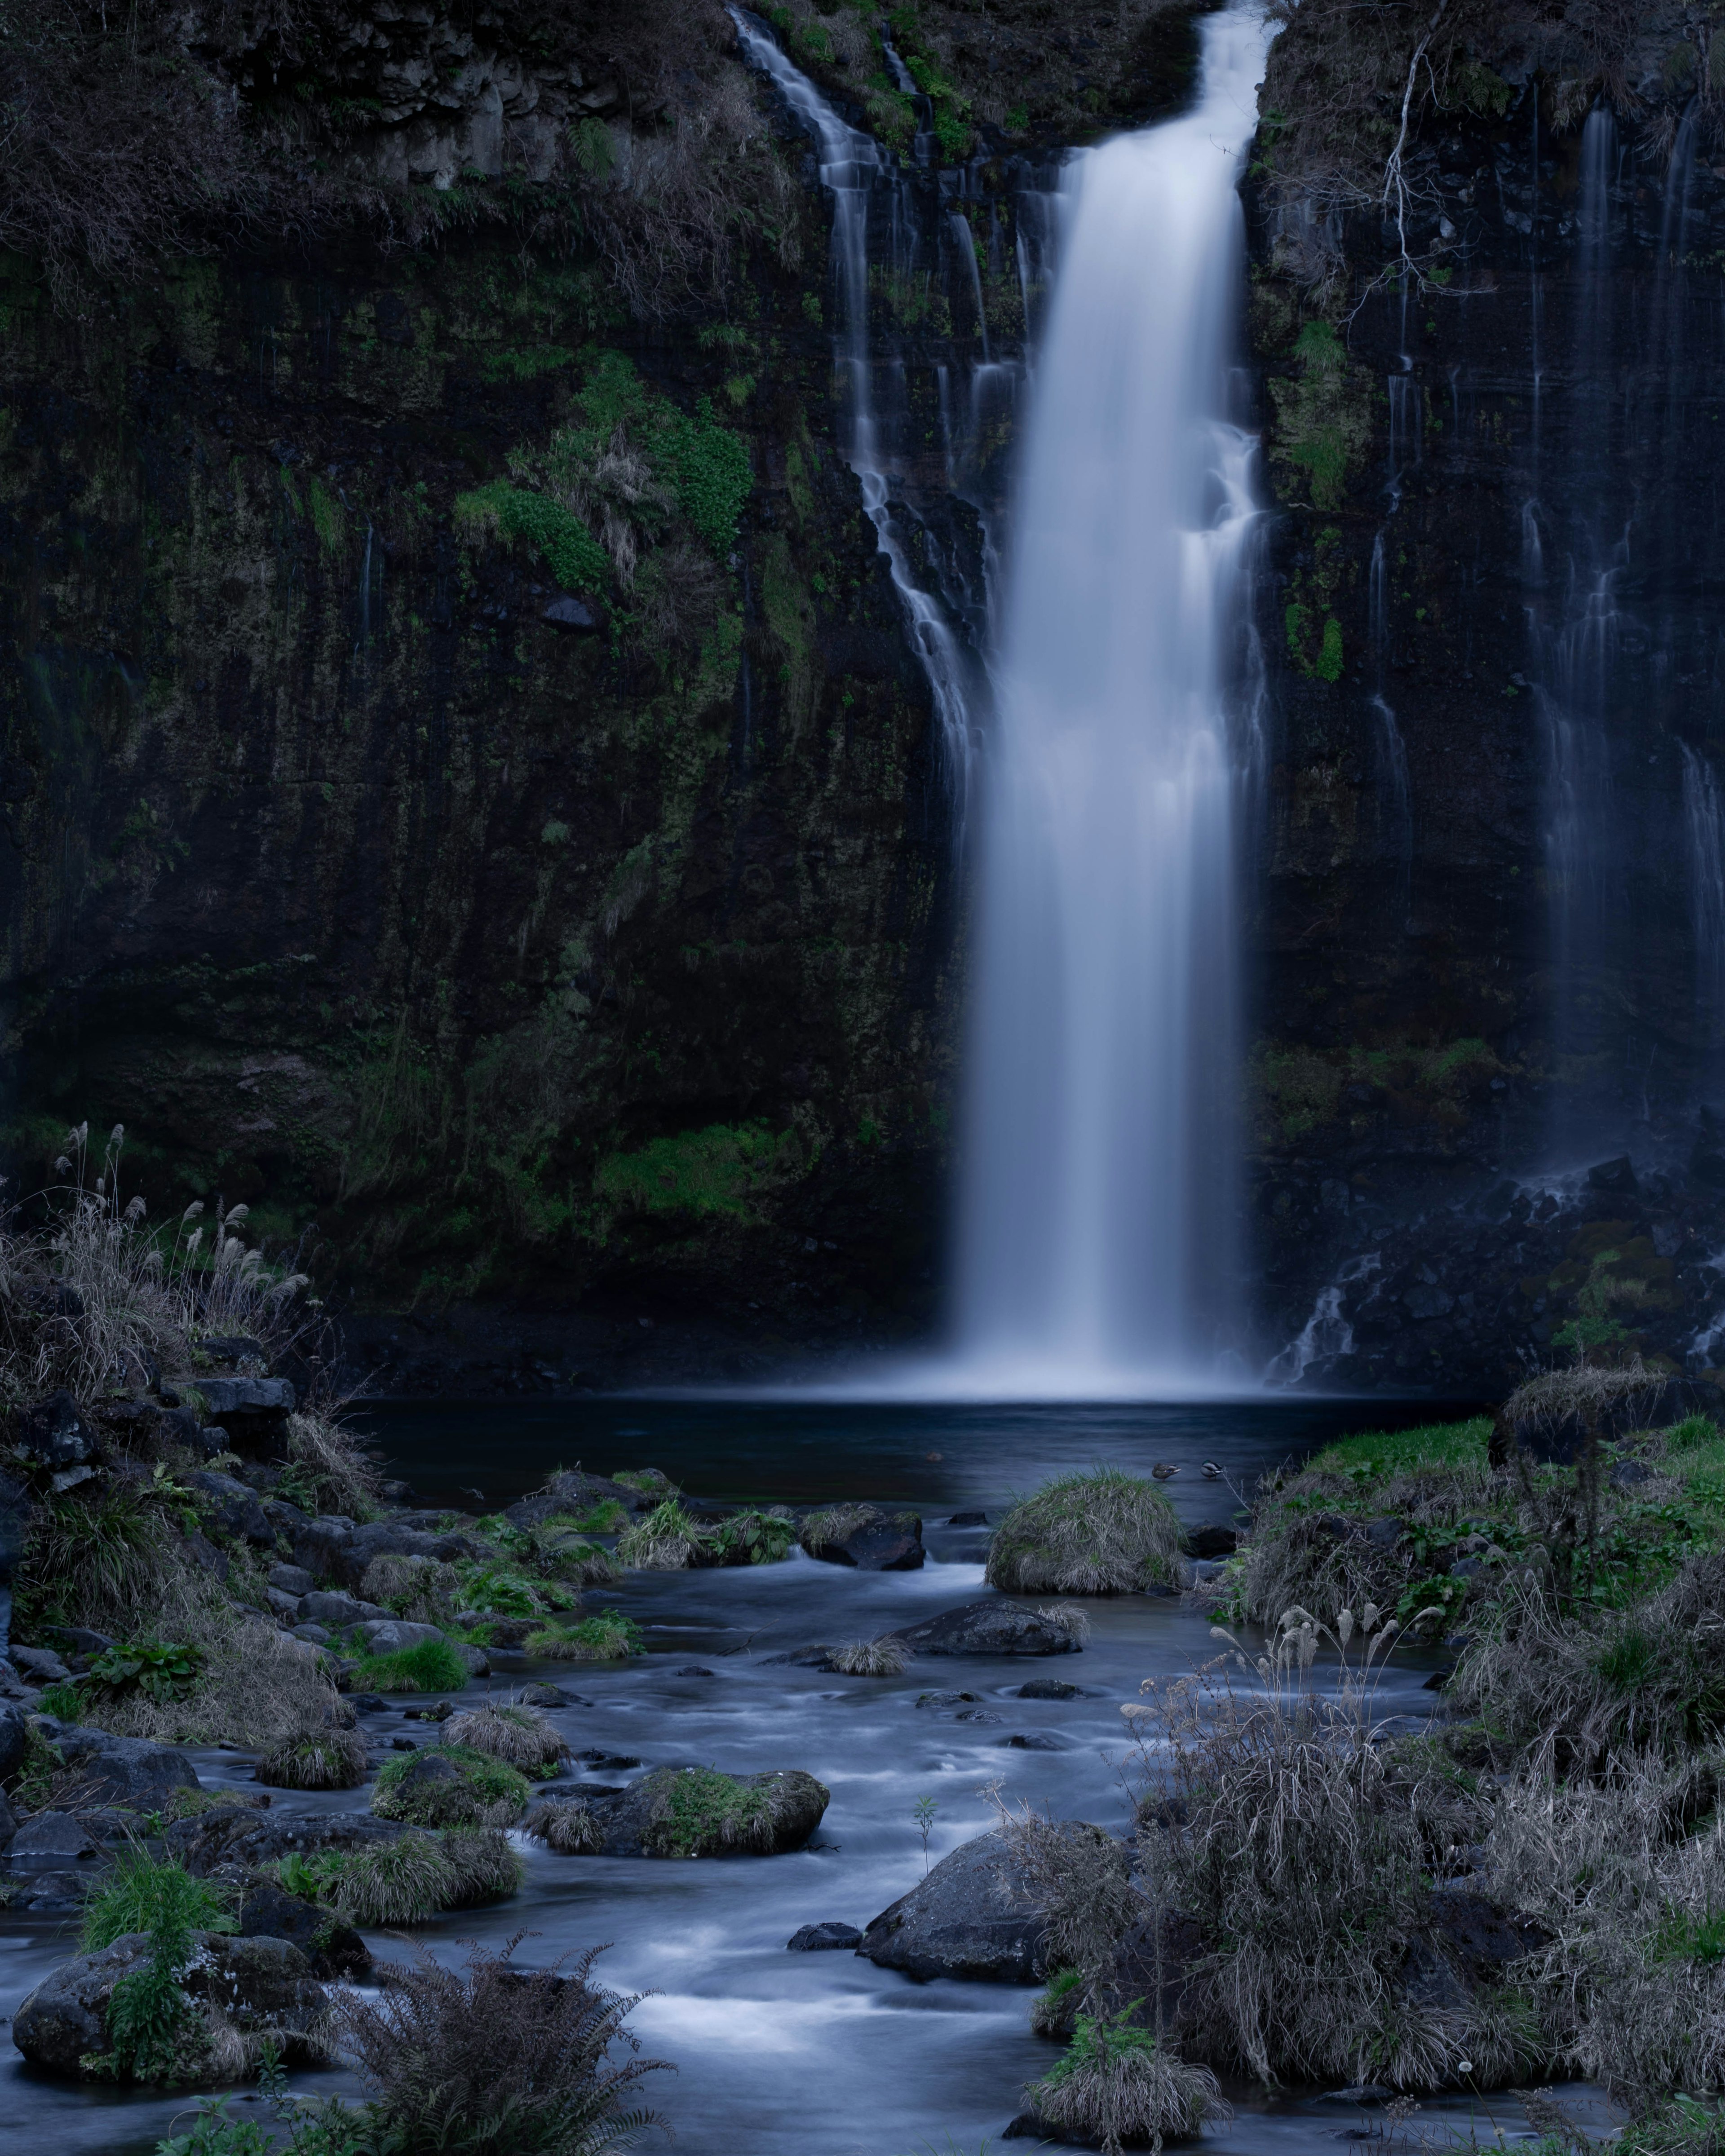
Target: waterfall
(1704,827)
(1098,1175)
(853,169)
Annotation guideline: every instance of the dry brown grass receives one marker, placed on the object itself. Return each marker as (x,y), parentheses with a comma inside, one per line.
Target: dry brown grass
(568,1827)
(868,1658)
(416,1588)
(520,1735)
(318,1759)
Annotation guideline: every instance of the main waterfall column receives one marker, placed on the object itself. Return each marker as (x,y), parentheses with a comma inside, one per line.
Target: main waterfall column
(1101,1144)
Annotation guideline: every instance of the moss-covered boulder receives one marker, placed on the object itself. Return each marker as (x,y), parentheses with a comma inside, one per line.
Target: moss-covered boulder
(865,1537)
(449,1786)
(1101,1533)
(696,1811)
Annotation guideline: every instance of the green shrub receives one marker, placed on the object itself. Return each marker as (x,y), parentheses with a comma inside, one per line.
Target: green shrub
(755,1537)
(63,1702)
(609,1638)
(144,1893)
(161,1670)
(1105,1532)
(483,1792)
(567,548)
(433,1666)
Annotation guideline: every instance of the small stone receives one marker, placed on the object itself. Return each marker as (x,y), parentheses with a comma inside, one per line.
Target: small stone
(291,1579)
(824,1939)
(594,1758)
(946,1698)
(40,1666)
(969,1520)
(1035,1740)
(1050,1688)
(315,1634)
(567,611)
(694,1669)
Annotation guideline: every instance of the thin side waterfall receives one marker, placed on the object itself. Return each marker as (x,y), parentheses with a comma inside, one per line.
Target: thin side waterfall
(853,168)
(1100,1145)
(1704,828)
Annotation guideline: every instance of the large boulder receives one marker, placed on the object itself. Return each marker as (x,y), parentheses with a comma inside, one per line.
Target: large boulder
(865,1537)
(261,1985)
(993,1628)
(395,1636)
(245,1839)
(696,1811)
(54,1434)
(573,1492)
(338,1551)
(975,1916)
(331,1948)
(122,1770)
(254,1411)
(232,1507)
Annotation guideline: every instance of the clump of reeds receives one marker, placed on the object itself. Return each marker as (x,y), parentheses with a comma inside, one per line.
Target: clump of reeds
(520,1735)
(316,1759)
(568,1827)
(1120,2085)
(1104,1533)
(668,1539)
(868,1658)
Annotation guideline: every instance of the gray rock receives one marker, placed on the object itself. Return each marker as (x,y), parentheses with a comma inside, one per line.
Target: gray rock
(575,1492)
(55,1435)
(947,1698)
(824,1939)
(290,1578)
(865,1537)
(987,1628)
(345,1559)
(567,611)
(285,1606)
(123,1770)
(14,1738)
(286,1519)
(324,1607)
(233,1507)
(52,1835)
(259,1983)
(318,1546)
(41,1666)
(313,1635)
(476,1659)
(638,1822)
(8,1822)
(1212,1542)
(268,1910)
(231,1400)
(394,1635)
(1050,1688)
(974,1917)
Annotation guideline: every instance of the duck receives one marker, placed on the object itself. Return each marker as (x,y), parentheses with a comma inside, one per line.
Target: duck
(1164,1470)
(1211,1473)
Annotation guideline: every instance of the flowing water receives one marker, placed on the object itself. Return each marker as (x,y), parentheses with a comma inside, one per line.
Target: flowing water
(1094,1232)
(781,2054)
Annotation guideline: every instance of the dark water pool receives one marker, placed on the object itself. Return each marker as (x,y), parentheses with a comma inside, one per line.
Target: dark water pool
(807,2054)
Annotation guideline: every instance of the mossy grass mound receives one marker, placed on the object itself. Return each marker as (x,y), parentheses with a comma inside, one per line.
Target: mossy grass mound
(1422,1524)
(606,1638)
(698,1811)
(449,1786)
(433,1666)
(668,1539)
(569,1828)
(1119,2086)
(1104,1533)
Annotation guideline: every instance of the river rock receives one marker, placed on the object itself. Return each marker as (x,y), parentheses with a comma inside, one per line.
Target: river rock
(1050,1688)
(247,1840)
(395,1636)
(824,1939)
(122,1770)
(331,1948)
(975,1916)
(865,1537)
(14,1738)
(39,1665)
(987,1628)
(290,1579)
(259,1985)
(574,1492)
(1212,1542)
(52,1837)
(642,1819)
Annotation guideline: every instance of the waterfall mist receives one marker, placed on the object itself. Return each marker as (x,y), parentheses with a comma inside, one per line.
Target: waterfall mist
(1095,1221)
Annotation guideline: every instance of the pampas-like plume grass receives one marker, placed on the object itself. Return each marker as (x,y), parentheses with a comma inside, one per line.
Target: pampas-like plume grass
(868,1658)
(1101,1533)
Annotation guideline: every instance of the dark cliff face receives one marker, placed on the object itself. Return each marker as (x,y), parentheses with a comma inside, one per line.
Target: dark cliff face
(1489,946)
(516,920)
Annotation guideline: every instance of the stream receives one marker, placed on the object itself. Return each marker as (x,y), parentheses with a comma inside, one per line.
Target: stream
(806,2053)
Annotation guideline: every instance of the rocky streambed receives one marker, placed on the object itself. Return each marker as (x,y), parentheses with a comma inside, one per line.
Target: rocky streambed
(923,2035)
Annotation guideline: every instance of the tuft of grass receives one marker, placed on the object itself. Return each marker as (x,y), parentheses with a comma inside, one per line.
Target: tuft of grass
(704,1812)
(417,1587)
(667,1540)
(608,1638)
(1374,1456)
(433,1666)
(484,1866)
(755,1537)
(495,2057)
(1118,2084)
(569,1828)
(868,1658)
(144,1893)
(319,1759)
(1064,1617)
(646,1482)
(482,1792)
(520,1735)
(1105,1532)
(394,1882)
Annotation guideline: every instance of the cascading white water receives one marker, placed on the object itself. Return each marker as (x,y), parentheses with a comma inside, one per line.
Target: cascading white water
(1098,1169)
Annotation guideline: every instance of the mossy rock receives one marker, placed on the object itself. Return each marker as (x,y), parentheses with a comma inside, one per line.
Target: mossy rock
(449,1786)
(696,1811)
(1101,1533)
